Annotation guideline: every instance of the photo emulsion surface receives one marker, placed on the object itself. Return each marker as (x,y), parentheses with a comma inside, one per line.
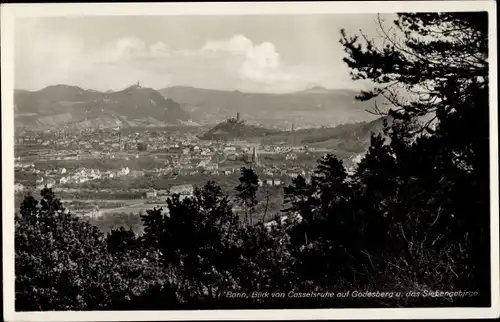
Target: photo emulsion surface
(214,162)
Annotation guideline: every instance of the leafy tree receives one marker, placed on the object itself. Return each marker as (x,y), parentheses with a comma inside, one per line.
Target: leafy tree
(154,226)
(320,241)
(427,61)
(433,70)
(195,241)
(377,182)
(247,192)
(265,263)
(300,197)
(321,200)
(329,178)
(121,240)
(61,261)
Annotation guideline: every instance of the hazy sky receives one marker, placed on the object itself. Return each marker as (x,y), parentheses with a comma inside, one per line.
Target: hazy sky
(273,53)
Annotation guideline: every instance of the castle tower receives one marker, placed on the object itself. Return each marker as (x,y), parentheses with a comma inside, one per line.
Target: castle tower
(238,117)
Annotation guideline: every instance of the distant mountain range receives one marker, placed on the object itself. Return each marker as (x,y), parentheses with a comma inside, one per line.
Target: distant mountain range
(313,107)
(64,106)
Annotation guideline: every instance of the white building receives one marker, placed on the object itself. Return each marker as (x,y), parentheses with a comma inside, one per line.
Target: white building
(185,190)
(123,172)
(50,183)
(151,194)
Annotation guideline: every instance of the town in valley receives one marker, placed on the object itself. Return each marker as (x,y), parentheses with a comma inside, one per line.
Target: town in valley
(117,168)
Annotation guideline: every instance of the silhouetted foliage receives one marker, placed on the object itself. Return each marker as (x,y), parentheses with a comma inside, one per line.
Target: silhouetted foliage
(121,240)
(247,192)
(424,185)
(59,258)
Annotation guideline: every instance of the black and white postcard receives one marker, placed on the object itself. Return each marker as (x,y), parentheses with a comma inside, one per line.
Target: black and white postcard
(287,160)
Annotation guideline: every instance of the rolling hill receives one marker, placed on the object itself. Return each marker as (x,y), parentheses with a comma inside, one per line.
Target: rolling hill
(73,107)
(227,131)
(350,138)
(309,108)
(322,137)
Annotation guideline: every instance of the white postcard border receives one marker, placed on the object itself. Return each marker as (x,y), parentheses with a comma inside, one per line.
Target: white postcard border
(11,12)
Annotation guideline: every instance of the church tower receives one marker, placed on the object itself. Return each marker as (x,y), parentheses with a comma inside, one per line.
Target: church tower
(255,157)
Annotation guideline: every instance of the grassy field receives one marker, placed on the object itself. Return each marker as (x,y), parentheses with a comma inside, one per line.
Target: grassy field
(126,213)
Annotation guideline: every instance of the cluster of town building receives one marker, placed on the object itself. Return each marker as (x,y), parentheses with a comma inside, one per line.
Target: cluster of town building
(113,142)
(177,153)
(271,175)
